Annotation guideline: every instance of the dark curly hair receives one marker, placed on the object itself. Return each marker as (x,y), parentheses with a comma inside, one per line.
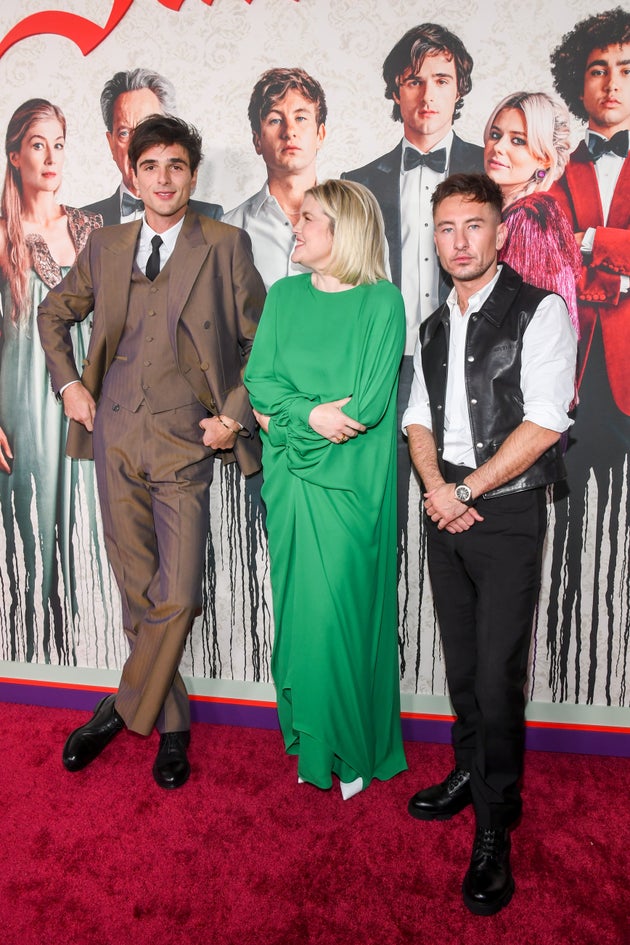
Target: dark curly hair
(166,130)
(428,39)
(568,60)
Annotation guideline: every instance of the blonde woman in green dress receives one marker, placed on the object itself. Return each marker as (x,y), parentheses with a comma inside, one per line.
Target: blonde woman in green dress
(322,377)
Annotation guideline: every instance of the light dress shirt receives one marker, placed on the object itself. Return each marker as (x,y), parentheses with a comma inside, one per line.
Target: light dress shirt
(607,171)
(144,248)
(420,268)
(547,377)
(271,234)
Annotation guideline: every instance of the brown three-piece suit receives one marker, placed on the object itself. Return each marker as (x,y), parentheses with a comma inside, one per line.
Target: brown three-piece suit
(163,355)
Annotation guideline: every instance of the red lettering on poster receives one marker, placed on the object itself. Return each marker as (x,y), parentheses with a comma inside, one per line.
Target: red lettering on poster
(84,33)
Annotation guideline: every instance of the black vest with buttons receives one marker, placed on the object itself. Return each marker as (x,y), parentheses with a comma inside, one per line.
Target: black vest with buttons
(494,341)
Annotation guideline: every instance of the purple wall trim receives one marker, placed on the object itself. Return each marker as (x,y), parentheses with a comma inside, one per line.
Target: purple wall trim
(563,738)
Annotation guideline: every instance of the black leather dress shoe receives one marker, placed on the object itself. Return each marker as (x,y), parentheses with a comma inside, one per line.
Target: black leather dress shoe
(88,741)
(488,884)
(441,801)
(171,768)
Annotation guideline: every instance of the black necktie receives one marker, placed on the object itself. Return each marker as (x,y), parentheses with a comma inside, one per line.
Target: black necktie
(130,205)
(435,160)
(618,145)
(153,263)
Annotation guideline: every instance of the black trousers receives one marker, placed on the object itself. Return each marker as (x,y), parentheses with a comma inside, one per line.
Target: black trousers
(485,586)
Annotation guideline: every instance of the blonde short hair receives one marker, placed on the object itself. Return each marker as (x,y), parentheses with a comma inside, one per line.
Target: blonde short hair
(548,132)
(356,222)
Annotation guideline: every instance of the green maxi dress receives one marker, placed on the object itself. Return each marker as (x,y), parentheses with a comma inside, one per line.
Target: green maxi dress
(331,522)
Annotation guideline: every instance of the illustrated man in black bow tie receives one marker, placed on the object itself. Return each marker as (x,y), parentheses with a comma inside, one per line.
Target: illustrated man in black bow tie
(591,71)
(127,98)
(427,75)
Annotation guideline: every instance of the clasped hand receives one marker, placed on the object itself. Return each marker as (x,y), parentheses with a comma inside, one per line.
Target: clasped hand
(448,512)
(216,435)
(332,423)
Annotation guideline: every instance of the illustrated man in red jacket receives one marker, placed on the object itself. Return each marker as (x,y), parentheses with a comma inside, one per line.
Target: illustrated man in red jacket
(591,71)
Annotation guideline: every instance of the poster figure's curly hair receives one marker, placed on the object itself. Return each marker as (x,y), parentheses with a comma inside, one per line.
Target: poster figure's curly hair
(568,60)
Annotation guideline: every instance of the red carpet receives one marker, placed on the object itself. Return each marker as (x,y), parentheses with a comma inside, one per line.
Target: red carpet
(243,855)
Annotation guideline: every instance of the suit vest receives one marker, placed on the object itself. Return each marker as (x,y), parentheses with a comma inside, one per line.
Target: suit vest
(144,369)
(494,343)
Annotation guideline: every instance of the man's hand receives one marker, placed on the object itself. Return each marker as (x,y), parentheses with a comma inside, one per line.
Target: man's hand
(219,435)
(445,510)
(464,522)
(79,405)
(5,451)
(330,422)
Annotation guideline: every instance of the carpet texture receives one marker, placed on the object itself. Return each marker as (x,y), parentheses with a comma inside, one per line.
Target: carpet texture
(243,855)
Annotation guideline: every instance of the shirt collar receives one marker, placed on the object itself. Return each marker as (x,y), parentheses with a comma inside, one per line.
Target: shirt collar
(259,200)
(476,301)
(169,236)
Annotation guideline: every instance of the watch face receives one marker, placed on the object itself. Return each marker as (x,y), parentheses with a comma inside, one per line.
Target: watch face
(463,493)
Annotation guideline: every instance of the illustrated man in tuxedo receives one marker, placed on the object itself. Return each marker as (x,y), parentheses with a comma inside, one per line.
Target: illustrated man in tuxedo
(175,300)
(287,113)
(128,98)
(427,74)
(591,71)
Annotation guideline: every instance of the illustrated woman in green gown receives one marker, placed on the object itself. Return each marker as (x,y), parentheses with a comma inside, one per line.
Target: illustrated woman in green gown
(39,241)
(322,377)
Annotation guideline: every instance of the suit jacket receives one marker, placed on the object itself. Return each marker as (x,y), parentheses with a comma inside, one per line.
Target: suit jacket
(109,209)
(598,293)
(382,177)
(215,297)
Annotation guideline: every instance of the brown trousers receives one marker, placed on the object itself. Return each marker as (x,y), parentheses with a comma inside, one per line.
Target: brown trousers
(153,474)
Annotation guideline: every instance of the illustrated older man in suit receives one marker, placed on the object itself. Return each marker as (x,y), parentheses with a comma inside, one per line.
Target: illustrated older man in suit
(128,98)
(176,300)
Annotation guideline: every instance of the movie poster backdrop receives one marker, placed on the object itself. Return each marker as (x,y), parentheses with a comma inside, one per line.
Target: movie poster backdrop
(58,601)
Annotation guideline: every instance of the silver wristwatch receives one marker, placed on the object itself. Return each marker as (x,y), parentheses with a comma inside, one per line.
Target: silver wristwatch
(464,494)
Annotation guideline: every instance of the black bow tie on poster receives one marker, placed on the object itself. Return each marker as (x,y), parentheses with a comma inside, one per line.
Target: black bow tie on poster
(618,145)
(130,205)
(435,160)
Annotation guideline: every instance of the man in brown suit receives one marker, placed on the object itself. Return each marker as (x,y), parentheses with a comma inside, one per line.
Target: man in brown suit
(176,300)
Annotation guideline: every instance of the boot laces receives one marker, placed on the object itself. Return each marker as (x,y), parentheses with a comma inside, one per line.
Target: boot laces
(489,842)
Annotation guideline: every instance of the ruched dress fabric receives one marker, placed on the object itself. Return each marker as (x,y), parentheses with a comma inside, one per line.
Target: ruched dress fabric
(331,521)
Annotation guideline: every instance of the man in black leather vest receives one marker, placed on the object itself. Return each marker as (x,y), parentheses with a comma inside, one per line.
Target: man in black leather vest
(494,374)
